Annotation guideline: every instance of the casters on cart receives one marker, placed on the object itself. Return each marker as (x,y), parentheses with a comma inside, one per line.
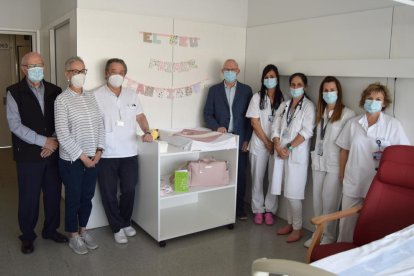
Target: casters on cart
(230,226)
(162,243)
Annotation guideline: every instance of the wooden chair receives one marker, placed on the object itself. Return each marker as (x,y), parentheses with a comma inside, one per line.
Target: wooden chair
(263,267)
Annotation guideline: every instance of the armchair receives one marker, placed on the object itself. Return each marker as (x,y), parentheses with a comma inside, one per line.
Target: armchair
(388,206)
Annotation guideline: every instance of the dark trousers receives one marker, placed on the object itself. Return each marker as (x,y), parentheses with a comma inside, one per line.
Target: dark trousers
(241,181)
(34,177)
(126,170)
(80,185)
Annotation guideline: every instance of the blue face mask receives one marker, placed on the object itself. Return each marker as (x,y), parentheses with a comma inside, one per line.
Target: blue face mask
(330,97)
(296,93)
(230,76)
(373,106)
(35,74)
(270,83)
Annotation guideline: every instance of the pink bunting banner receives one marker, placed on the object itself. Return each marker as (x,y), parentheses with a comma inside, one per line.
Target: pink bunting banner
(164,93)
(173,40)
(170,67)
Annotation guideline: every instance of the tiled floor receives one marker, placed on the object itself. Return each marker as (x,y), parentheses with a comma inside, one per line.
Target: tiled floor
(214,252)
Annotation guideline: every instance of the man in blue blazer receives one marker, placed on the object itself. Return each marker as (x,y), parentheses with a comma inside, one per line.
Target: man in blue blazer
(225,111)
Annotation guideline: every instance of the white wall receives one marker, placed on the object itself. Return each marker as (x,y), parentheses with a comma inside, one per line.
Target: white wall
(382,35)
(52,9)
(20,15)
(265,12)
(102,35)
(228,12)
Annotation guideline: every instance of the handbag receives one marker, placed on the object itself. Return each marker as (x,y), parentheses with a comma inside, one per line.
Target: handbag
(208,172)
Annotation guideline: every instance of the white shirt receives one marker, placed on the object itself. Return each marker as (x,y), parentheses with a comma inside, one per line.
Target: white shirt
(265,116)
(329,161)
(230,92)
(119,116)
(303,122)
(294,169)
(361,141)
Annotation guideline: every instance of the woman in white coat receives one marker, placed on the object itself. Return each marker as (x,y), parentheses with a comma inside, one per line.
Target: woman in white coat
(291,131)
(331,116)
(261,111)
(362,141)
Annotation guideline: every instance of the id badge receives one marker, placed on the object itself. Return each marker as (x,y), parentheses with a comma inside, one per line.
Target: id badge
(120,123)
(270,118)
(377,155)
(320,148)
(285,134)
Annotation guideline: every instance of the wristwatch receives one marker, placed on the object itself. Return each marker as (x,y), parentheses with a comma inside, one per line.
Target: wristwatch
(289,146)
(100,149)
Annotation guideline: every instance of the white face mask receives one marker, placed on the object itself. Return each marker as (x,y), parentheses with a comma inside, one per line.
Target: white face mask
(116,80)
(78,80)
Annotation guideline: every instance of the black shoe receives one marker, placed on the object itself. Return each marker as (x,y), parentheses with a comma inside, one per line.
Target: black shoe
(241,215)
(27,247)
(57,237)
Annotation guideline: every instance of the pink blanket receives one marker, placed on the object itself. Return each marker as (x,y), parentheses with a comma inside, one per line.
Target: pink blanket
(199,135)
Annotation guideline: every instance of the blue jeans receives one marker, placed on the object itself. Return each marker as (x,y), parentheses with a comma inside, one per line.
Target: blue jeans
(80,185)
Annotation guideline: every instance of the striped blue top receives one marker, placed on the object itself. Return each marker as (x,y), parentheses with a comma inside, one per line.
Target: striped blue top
(78,124)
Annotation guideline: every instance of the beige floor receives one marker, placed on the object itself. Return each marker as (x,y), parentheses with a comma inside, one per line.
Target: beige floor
(214,252)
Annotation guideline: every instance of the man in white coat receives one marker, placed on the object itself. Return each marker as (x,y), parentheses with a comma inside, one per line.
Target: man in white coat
(121,111)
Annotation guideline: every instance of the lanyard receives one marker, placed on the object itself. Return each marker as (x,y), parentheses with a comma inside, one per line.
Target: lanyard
(290,116)
(323,128)
(272,106)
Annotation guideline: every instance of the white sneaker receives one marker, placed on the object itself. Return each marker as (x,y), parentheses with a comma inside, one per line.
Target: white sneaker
(120,236)
(129,231)
(308,243)
(88,240)
(77,245)
(326,240)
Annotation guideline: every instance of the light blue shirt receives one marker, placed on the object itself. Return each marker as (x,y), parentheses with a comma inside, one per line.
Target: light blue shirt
(15,124)
(230,92)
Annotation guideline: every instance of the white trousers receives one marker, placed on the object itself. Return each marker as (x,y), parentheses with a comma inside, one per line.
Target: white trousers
(260,202)
(294,213)
(347,225)
(327,191)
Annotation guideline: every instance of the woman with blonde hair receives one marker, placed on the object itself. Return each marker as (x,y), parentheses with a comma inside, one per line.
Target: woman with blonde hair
(362,142)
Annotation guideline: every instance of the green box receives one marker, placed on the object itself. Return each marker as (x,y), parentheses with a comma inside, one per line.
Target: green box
(181,181)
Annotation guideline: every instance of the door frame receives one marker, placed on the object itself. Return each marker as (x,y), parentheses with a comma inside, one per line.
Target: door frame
(35,34)
(35,47)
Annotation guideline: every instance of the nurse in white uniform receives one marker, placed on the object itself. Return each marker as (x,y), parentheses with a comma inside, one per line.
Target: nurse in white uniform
(362,141)
(291,133)
(261,111)
(331,116)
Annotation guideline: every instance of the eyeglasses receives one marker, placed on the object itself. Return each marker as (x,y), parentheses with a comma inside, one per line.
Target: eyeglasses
(230,69)
(76,72)
(33,65)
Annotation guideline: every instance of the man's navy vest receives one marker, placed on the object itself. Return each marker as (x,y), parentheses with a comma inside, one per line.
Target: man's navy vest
(32,117)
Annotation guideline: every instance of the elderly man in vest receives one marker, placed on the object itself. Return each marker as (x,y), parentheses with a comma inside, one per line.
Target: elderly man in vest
(30,113)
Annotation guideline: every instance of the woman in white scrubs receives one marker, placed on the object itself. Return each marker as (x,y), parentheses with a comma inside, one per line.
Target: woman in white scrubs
(291,133)
(331,116)
(362,141)
(261,111)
